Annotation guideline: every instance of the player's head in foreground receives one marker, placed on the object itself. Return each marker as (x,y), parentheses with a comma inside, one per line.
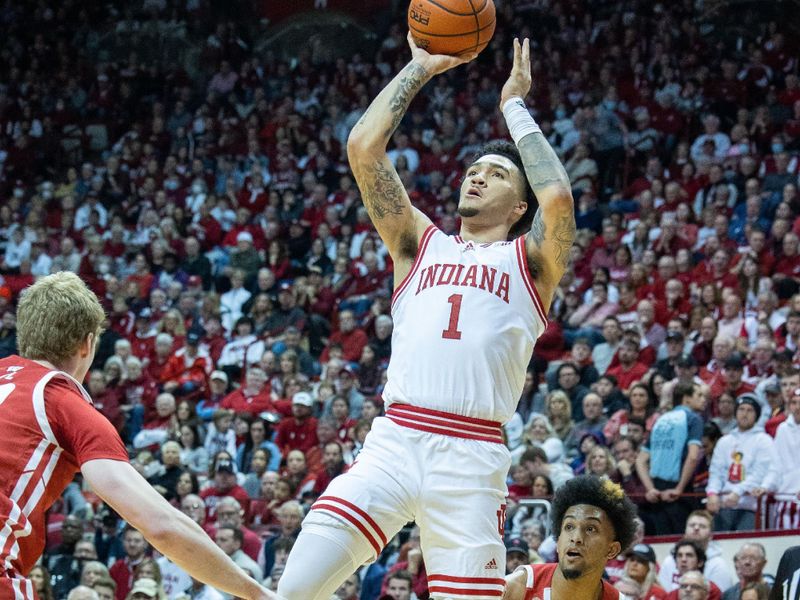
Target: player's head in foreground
(594,521)
(59,320)
(495,189)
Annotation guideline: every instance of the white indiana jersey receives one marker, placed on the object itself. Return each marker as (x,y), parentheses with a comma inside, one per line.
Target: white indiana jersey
(465,321)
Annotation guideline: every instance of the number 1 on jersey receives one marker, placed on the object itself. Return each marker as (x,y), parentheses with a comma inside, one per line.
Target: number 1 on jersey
(452,332)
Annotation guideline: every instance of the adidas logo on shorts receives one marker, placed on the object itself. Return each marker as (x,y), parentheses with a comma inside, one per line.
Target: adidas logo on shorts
(492,564)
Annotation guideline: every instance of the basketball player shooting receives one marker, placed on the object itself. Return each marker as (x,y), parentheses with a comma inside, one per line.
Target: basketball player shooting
(594,522)
(467,311)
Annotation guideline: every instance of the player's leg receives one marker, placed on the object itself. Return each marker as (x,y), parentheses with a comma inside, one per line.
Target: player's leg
(351,523)
(462,518)
(318,565)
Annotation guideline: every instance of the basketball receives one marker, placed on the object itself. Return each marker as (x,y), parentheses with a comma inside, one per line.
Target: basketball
(451,26)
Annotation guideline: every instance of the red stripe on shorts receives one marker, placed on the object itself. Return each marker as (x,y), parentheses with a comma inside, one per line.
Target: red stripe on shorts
(358,511)
(454,579)
(462,592)
(346,515)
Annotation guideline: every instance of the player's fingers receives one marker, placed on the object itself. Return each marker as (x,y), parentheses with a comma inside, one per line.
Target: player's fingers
(517,52)
(526,51)
(411,43)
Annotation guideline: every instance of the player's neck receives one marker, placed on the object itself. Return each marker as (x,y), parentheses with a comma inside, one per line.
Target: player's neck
(481,234)
(588,586)
(70,368)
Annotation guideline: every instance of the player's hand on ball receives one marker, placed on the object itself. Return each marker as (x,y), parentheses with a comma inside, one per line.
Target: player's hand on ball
(436,63)
(519,81)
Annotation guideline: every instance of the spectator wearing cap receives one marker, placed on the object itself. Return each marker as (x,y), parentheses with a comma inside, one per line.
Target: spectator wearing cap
(218,387)
(517,554)
(231,302)
(253,397)
(641,567)
(630,369)
(345,383)
(674,343)
(286,313)
(787,443)
(224,484)
(741,470)
(300,431)
(349,336)
(731,380)
(245,257)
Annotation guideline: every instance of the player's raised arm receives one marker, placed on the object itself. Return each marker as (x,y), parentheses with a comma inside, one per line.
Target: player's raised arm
(383,194)
(553,230)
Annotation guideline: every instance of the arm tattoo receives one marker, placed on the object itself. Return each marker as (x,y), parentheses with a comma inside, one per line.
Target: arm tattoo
(542,166)
(563,235)
(544,170)
(538,227)
(382,191)
(407,88)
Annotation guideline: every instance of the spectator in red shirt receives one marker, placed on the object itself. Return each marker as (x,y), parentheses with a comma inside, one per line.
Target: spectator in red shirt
(224,484)
(299,432)
(629,370)
(121,572)
(731,381)
(253,397)
(351,338)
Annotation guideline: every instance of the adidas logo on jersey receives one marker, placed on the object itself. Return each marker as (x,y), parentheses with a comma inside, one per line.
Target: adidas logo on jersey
(491,565)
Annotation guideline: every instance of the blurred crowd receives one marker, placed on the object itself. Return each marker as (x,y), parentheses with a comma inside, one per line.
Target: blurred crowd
(248,295)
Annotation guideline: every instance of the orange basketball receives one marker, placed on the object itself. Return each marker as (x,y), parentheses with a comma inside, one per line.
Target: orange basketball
(451,26)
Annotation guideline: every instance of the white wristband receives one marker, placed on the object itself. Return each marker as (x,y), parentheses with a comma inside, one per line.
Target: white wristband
(519,121)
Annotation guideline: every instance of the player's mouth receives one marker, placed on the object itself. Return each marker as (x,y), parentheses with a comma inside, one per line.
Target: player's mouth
(473,191)
(572,553)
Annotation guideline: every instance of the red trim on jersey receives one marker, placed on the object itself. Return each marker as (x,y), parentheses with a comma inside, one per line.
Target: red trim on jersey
(453,579)
(434,421)
(423,244)
(522,260)
(359,512)
(462,592)
(459,239)
(346,515)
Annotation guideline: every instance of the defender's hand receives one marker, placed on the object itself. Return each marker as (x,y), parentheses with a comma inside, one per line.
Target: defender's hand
(519,81)
(436,63)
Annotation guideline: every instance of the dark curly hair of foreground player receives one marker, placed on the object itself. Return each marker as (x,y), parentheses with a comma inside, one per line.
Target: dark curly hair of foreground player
(605,495)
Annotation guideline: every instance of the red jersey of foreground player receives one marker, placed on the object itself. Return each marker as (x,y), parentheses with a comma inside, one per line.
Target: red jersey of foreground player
(594,520)
(51,430)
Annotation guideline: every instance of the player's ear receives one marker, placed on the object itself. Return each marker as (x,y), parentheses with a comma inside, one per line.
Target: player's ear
(614,550)
(87,345)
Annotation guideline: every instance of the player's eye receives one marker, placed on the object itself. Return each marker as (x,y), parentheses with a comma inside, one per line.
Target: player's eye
(470,173)
(499,174)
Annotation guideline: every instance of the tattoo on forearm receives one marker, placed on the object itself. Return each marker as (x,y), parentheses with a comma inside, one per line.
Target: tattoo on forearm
(381,190)
(407,88)
(563,235)
(538,228)
(542,166)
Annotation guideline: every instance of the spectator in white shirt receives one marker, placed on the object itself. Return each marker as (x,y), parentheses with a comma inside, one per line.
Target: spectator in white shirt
(231,302)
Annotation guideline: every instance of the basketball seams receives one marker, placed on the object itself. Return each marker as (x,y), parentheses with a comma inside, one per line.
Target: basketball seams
(445,35)
(455,12)
(477,25)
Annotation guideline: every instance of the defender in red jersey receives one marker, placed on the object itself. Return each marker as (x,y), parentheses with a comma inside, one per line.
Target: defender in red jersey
(595,522)
(51,430)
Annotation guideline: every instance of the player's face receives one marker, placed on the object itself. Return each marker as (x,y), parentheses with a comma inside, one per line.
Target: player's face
(586,541)
(493,190)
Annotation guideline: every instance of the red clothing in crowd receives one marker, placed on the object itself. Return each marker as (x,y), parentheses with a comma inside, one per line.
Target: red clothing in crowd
(627,377)
(211,497)
(297,435)
(238,401)
(352,344)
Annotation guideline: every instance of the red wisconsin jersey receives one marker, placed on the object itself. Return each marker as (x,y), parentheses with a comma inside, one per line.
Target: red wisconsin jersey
(50,428)
(465,308)
(540,578)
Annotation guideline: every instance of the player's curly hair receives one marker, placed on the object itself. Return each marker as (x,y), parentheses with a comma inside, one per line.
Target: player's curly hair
(509,150)
(602,493)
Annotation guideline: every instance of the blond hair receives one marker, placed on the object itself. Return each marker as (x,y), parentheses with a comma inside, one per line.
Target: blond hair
(54,317)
